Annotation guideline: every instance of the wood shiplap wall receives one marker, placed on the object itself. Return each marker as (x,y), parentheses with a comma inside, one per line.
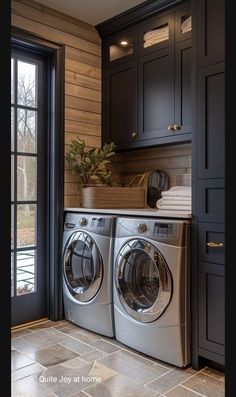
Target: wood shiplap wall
(82,75)
(174,159)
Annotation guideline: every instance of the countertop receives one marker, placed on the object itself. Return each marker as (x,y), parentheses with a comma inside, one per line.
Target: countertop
(151,212)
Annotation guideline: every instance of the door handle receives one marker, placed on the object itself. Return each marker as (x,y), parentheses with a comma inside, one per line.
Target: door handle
(177,127)
(170,128)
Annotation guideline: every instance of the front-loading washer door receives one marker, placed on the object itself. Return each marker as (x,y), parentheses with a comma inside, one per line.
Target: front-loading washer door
(83,266)
(143,280)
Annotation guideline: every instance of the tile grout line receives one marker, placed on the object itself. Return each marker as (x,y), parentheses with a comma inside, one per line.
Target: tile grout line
(158,377)
(192,390)
(213,377)
(137,354)
(183,380)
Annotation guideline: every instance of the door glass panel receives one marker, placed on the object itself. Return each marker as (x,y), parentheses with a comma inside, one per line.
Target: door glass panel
(26,272)
(26,178)
(83,267)
(12,80)
(26,84)
(12,226)
(12,274)
(12,177)
(121,47)
(186,24)
(140,282)
(12,129)
(26,131)
(156,35)
(26,225)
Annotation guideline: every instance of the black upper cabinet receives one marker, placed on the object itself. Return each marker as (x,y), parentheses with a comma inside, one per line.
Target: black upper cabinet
(120,121)
(211,31)
(147,82)
(156,94)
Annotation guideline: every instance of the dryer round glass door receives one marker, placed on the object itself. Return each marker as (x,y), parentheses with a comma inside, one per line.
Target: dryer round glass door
(143,280)
(83,267)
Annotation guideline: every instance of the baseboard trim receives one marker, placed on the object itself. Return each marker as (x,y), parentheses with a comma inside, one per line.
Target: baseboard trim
(26,325)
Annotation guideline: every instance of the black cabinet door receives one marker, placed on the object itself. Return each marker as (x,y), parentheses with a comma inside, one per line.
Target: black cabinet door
(183,94)
(156,94)
(120,113)
(211,308)
(211,31)
(211,122)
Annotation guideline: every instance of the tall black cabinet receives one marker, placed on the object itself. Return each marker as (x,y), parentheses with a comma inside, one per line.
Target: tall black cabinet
(208,282)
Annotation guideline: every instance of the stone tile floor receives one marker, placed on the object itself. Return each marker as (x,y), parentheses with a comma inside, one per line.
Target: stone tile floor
(62,360)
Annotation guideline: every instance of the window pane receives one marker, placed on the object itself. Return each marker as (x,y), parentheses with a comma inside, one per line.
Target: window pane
(26,274)
(26,131)
(12,274)
(26,178)
(12,80)
(12,176)
(12,129)
(26,84)
(26,225)
(12,226)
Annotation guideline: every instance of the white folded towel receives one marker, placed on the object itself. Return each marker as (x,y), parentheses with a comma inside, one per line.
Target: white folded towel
(178,191)
(176,208)
(176,198)
(166,202)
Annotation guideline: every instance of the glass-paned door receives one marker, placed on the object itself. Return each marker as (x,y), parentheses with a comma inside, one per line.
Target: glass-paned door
(28,186)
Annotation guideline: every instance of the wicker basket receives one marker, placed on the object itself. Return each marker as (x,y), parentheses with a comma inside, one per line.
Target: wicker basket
(114,197)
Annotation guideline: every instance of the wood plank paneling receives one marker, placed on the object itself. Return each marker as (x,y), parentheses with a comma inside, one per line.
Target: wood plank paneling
(82,116)
(82,104)
(82,80)
(82,75)
(76,127)
(82,68)
(34,14)
(82,92)
(63,17)
(83,57)
(55,35)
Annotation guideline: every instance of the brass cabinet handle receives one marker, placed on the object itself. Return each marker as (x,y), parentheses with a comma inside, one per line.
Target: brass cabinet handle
(215,244)
(133,134)
(177,127)
(170,128)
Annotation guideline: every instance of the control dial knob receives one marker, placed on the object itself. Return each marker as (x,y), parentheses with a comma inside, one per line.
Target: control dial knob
(83,221)
(142,227)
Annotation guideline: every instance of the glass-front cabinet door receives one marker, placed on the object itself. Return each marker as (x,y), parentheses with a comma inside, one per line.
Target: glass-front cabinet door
(121,47)
(156,34)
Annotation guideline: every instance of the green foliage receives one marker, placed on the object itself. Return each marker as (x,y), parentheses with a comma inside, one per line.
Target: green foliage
(90,164)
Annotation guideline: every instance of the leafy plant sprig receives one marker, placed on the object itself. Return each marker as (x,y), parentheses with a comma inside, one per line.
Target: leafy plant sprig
(90,163)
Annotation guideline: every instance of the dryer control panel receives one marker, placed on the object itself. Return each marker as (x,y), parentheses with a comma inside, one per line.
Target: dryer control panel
(98,224)
(167,230)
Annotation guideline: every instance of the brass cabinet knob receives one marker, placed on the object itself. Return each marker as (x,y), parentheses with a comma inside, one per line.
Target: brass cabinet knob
(133,134)
(177,127)
(215,244)
(170,128)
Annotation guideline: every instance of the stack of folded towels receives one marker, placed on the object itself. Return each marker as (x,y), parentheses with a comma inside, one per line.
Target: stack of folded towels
(176,198)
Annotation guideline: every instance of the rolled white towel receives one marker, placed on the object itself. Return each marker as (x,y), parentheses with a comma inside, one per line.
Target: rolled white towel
(178,191)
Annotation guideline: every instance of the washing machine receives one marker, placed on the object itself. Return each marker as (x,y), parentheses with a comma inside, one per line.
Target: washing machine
(151,287)
(87,271)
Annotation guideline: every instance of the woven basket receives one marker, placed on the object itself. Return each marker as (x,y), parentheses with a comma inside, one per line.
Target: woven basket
(114,197)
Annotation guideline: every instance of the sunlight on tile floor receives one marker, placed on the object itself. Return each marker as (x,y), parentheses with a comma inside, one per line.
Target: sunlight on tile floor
(63,360)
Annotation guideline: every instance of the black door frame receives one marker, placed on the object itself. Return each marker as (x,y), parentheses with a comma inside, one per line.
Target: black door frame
(55,52)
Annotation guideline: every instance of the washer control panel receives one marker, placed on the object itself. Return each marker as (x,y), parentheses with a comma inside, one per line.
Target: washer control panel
(98,224)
